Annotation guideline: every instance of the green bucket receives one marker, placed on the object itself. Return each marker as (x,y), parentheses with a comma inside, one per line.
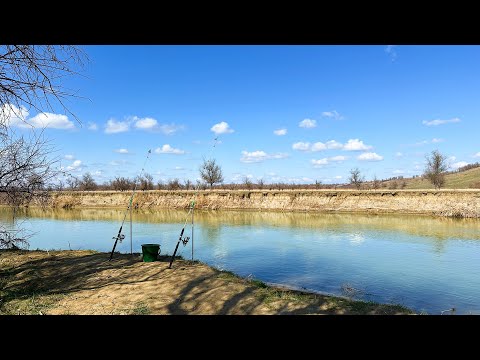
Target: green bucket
(150,252)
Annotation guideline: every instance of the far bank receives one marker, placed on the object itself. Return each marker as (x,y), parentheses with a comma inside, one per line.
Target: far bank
(449,203)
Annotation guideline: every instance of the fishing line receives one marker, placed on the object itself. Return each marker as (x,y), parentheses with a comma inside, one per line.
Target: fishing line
(185,239)
(120,236)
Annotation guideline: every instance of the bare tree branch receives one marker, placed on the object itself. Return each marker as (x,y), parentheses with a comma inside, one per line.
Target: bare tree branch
(30,77)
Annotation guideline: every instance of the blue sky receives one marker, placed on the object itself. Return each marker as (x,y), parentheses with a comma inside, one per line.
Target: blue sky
(281,113)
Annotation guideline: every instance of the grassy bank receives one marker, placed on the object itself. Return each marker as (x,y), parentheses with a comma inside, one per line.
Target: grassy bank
(85,282)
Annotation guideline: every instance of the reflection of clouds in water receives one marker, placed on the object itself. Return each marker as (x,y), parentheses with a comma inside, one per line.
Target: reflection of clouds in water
(356,239)
(220,253)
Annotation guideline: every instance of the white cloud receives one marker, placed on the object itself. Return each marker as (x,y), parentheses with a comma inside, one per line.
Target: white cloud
(53,121)
(259,156)
(390,50)
(280,132)
(278,156)
(338,177)
(113,126)
(318,146)
(297,180)
(178,168)
(301,146)
(221,128)
(425,142)
(458,164)
(477,154)
(369,156)
(332,115)
(18,117)
(398,171)
(420,143)
(241,177)
(151,124)
(307,123)
(338,158)
(122,151)
(326,161)
(170,129)
(398,154)
(356,145)
(351,145)
(118,162)
(334,145)
(451,158)
(144,123)
(92,126)
(167,149)
(319,162)
(440,122)
(69,157)
(75,166)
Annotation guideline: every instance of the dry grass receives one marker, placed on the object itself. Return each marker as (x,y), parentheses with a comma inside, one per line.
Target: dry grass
(85,282)
(462,180)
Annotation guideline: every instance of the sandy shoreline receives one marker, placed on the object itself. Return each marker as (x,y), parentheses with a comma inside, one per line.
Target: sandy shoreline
(85,282)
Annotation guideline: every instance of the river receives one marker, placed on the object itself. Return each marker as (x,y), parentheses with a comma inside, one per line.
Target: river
(425,263)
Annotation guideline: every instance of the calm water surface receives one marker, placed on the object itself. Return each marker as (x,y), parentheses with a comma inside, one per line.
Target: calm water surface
(428,264)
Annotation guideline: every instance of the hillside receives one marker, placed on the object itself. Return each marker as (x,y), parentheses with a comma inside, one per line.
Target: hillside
(468,179)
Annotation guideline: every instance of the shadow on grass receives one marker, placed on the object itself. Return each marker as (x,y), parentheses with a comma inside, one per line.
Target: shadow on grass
(152,288)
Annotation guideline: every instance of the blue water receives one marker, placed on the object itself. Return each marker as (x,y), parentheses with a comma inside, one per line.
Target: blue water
(425,263)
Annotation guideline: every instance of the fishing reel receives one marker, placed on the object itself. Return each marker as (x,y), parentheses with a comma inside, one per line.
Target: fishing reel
(185,240)
(119,237)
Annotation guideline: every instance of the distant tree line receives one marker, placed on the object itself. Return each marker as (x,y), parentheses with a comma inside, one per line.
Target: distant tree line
(212,178)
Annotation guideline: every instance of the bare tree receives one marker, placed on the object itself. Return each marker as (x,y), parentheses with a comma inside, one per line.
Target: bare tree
(73,182)
(210,172)
(356,178)
(145,182)
(318,184)
(436,168)
(188,184)
(26,168)
(26,173)
(261,183)
(88,183)
(174,184)
(160,185)
(30,77)
(247,182)
(376,183)
(121,183)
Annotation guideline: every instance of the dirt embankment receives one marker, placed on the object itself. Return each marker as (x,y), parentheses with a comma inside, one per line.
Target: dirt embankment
(452,203)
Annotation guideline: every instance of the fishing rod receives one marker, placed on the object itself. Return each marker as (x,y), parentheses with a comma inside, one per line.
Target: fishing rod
(185,239)
(120,236)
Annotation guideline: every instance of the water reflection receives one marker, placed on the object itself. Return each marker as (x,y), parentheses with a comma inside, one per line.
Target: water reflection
(434,227)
